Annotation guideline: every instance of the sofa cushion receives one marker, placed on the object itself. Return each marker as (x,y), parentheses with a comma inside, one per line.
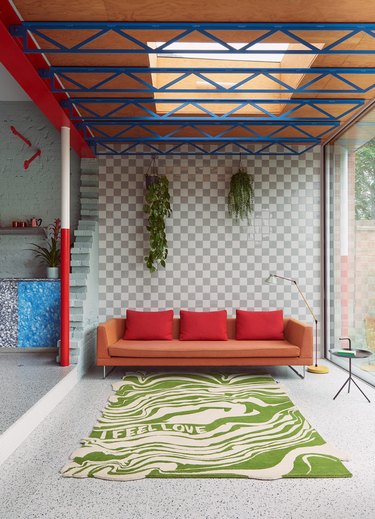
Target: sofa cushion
(203,326)
(148,325)
(203,349)
(259,326)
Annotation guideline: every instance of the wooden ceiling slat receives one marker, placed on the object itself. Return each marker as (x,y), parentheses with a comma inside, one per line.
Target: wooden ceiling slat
(280,11)
(196,10)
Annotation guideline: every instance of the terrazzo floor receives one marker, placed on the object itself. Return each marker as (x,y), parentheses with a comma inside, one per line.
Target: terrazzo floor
(24,379)
(31,487)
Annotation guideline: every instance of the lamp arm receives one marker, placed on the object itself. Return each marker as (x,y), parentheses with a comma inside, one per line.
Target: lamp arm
(306,303)
(310,310)
(301,293)
(283,277)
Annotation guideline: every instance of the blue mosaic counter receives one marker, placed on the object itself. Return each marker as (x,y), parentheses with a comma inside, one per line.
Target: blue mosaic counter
(29,313)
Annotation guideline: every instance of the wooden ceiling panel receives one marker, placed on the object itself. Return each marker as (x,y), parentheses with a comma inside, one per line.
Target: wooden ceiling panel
(102,109)
(98,60)
(280,11)
(196,10)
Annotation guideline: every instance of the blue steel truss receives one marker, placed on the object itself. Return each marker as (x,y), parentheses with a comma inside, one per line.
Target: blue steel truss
(269,148)
(200,108)
(50,36)
(142,76)
(232,132)
(239,131)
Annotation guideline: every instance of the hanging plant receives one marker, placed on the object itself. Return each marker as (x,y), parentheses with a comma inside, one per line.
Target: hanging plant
(241,195)
(157,207)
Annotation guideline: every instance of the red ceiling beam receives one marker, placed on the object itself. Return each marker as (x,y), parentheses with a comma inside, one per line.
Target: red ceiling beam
(24,71)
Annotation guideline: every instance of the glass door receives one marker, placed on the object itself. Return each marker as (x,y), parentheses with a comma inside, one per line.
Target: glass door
(350,243)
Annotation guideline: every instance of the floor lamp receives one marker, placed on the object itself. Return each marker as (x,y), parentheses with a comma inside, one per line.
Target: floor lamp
(271,280)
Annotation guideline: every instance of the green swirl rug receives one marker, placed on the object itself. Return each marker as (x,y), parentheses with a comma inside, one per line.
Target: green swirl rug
(200,425)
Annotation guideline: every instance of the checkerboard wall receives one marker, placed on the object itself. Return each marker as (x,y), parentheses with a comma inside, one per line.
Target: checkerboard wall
(213,263)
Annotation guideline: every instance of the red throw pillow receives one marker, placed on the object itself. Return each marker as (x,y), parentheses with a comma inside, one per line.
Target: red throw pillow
(260,326)
(203,326)
(148,326)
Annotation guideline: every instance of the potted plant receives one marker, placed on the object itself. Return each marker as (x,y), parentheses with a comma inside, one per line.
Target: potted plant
(241,195)
(157,207)
(50,254)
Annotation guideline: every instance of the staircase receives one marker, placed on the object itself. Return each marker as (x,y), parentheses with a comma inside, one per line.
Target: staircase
(84,271)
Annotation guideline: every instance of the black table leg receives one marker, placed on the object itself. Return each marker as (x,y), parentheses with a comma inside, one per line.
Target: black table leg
(341,388)
(361,391)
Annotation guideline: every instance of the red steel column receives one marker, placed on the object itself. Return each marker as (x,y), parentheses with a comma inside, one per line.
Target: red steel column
(65,246)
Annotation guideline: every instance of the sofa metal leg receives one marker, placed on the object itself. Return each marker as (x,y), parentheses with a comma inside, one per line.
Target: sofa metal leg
(301,375)
(105,372)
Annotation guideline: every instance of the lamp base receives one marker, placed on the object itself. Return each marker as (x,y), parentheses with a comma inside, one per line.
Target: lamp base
(318,370)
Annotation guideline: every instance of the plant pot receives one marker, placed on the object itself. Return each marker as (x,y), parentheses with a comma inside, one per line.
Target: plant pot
(151,179)
(53,272)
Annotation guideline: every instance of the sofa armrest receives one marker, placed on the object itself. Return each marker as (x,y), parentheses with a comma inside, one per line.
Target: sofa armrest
(108,333)
(301,335)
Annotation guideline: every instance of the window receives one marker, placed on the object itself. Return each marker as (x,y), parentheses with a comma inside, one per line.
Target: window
(350,243)
(275,58)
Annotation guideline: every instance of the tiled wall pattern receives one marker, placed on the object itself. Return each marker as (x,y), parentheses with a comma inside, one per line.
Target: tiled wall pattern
(213,262)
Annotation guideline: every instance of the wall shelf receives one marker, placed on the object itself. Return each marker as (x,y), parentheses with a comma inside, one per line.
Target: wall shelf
(22,230)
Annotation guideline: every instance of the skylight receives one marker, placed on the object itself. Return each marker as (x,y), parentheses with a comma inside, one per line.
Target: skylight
(276,58)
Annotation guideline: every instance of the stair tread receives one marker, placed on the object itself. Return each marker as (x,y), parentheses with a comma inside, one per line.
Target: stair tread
(89,180)
(90,188)
(85,224)
(88,200)
(83,233)
(77,295)
(78,282)
(81,250)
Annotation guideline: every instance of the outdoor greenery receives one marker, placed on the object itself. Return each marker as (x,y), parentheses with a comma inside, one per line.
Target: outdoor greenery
(157,207)
(241,196)
(50,254)
(365,182)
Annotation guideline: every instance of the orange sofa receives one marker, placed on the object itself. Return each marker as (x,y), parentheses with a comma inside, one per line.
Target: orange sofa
(295,350)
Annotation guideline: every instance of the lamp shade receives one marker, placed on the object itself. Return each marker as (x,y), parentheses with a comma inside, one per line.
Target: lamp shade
(270,280)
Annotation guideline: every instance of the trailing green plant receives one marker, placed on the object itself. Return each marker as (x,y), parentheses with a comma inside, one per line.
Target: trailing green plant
(241,195)
(50,254)
(157,206)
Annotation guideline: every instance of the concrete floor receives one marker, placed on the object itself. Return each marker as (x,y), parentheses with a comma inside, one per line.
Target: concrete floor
(31,487)
(24,379)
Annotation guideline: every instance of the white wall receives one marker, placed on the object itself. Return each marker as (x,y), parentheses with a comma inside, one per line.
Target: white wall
(31,192)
